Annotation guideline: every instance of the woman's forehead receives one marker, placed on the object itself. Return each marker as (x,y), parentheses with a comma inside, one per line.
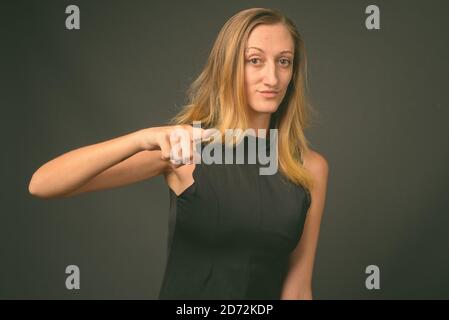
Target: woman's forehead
(266,38)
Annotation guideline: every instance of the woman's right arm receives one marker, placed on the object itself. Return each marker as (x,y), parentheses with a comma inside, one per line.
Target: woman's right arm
(112,163)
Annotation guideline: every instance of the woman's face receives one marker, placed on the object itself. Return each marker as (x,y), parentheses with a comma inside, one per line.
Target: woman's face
(268,67)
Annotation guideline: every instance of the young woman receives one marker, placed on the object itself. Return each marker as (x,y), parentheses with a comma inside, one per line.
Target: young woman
(233,233)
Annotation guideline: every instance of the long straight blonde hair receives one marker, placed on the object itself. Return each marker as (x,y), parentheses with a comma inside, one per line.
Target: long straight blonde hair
(217,96)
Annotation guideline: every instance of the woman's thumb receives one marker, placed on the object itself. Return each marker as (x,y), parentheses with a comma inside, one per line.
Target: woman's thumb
(208,133)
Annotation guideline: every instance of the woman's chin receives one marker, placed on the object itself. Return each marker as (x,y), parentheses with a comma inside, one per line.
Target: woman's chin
(265,109)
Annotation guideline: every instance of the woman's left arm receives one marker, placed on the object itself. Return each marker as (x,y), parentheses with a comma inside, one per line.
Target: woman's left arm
(298,281)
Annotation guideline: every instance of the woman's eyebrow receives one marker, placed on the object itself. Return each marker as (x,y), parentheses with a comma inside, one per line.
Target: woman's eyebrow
(284,51)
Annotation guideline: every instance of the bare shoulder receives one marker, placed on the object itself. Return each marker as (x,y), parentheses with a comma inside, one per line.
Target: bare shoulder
(317,164)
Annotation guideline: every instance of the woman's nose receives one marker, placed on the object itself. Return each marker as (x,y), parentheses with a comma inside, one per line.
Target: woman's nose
(270,76)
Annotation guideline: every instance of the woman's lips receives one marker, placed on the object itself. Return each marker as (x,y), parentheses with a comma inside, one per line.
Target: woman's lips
(268,94)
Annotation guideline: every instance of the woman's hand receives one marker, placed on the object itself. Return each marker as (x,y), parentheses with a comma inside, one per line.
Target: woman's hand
(177,143)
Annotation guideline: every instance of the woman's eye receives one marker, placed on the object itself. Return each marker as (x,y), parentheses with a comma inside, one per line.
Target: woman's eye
(253,59)
(286,62)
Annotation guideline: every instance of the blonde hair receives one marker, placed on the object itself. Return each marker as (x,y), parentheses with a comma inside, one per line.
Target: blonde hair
(217,97)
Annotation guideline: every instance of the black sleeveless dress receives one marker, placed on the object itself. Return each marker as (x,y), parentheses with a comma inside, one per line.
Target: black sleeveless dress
(231,233)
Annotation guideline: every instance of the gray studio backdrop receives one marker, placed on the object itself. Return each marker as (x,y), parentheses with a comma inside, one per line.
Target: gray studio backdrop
(382,107)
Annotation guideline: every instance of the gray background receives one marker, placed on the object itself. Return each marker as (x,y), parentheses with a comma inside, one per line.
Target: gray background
(381,125)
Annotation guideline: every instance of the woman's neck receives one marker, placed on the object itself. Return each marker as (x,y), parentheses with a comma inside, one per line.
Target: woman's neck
(258,121)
